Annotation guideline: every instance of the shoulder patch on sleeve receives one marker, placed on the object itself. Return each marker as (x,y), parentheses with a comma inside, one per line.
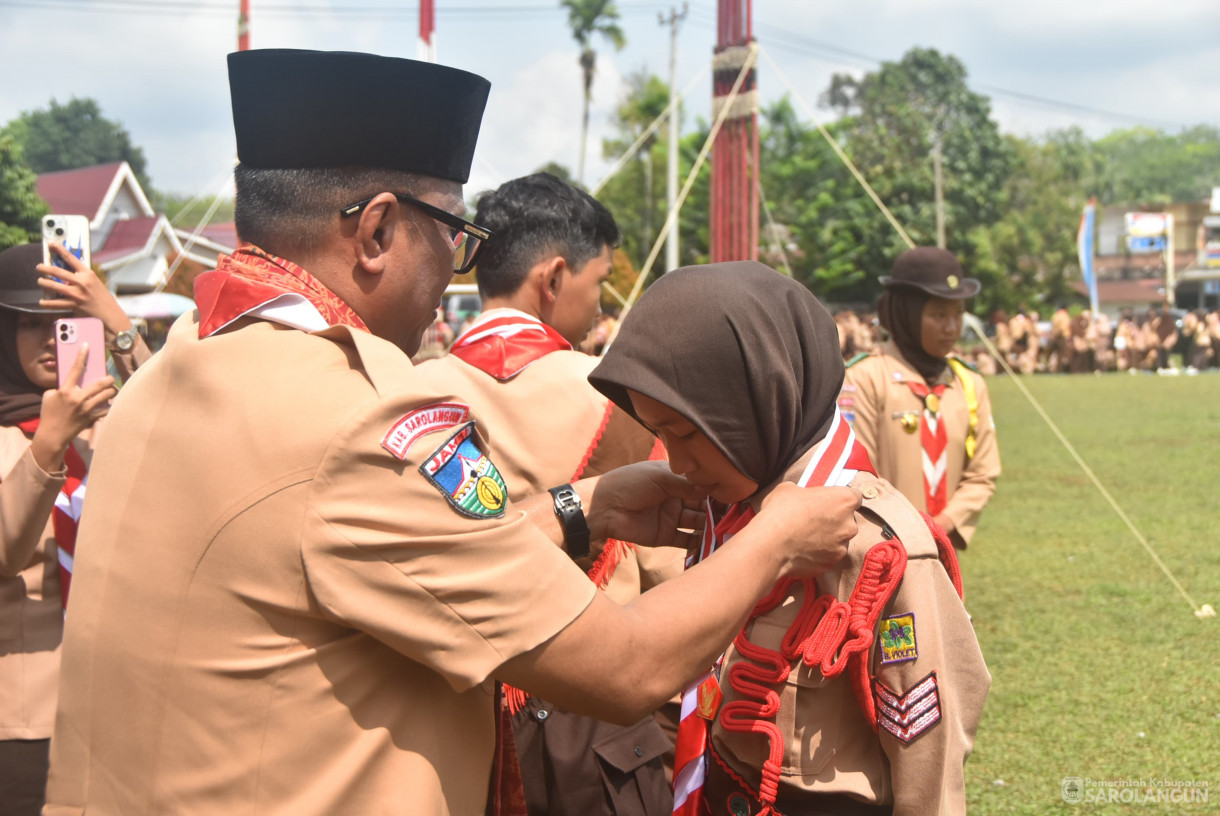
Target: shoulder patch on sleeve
(414,424)
(897,635)
(864,355)
(466,477)
(906,716)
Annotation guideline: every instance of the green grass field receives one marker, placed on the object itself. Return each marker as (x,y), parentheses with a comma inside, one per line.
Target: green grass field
(1099,667)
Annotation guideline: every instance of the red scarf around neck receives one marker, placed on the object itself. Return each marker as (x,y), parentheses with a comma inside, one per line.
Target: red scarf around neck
(251,278)
(68,504)
(502,345)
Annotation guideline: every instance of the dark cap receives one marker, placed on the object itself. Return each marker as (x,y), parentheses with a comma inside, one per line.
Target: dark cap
(19,289)
(933,270)
(300,109)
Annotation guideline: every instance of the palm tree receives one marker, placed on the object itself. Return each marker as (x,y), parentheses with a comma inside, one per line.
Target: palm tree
(587,18)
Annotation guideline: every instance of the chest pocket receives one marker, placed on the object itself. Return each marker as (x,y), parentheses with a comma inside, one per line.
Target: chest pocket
(811,715)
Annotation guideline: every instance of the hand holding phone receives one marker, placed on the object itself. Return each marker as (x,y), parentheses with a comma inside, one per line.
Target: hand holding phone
(70,232)
(72,334)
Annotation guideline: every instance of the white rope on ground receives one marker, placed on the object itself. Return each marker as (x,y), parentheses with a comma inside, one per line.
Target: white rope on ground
(671,218)
(1204,611)
(643,137)
(839,152)
(190,243)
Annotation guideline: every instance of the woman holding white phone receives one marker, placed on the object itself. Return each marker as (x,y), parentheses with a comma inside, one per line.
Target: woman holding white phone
(46,443)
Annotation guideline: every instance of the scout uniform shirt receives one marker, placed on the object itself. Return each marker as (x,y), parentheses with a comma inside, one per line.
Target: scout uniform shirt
(31,599)
(550,427)
(885,415)
(287,601)
(926,677)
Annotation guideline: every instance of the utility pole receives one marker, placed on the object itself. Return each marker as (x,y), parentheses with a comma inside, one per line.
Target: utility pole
(671,185)
(939,177)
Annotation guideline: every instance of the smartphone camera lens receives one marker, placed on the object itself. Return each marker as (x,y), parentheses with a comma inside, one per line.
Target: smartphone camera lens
(63,336)
(59,231)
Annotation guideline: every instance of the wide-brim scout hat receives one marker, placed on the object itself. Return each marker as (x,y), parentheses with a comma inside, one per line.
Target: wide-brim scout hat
(933,270)
(303,109)
(19,289)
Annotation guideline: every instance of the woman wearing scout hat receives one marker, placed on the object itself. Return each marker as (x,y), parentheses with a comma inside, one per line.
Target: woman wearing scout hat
(923,415)
(45,445)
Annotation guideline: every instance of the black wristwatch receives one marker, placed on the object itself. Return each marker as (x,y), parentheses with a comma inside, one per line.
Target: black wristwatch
(572,517)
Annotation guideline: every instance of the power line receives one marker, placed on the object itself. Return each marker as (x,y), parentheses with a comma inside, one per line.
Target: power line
(216,9)
(786,40)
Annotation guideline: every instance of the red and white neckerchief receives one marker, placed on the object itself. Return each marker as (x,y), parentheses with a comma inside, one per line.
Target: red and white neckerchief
(68,505)
(254,283)
(835,462)
(935,442)
(503,342)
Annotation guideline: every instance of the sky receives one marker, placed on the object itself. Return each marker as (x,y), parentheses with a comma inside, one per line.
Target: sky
(158,66)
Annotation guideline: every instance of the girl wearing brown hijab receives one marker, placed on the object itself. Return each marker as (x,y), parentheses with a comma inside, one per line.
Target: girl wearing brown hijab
(45,442)
(855,692)
(922,414)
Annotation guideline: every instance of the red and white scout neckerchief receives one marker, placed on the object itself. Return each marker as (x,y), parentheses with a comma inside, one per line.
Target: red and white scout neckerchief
(836,461)
(935,441)
(502,342)
(254,283)
(68,505)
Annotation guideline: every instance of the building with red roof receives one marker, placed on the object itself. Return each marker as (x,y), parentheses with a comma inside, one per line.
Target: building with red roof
(130,242)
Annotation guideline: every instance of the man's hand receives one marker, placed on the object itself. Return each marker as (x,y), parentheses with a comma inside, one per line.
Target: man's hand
(67,411)
(645,504)
(80,289)
(811,526)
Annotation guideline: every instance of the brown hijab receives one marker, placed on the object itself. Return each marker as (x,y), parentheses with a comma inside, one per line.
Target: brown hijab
(748,356)
(900,311)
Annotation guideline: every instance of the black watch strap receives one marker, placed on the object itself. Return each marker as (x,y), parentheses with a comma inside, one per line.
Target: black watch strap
(572,517)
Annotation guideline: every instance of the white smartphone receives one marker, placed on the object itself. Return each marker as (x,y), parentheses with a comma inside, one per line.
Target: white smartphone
(70,231)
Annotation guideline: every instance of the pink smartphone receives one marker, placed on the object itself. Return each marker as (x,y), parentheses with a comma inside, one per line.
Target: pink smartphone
(70,334)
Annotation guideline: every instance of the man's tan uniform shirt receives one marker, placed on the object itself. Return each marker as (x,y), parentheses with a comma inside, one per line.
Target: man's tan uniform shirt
(274,610)
(885,415)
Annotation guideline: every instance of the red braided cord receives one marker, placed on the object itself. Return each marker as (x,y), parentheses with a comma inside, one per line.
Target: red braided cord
(947,553)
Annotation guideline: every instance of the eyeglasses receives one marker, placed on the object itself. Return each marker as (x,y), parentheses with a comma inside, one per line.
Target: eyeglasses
(467,238)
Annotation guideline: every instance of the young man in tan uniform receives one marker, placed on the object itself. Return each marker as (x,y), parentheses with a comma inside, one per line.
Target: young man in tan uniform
(881,398)
(540,279)
(299,573)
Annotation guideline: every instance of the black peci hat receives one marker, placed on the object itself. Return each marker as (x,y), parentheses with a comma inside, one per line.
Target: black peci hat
(19,289)
(933,270)
(299,109)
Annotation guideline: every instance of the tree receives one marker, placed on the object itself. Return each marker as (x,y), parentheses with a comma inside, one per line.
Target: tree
(895,118)
(1145,166)
(65,137)
(587,18)
(632,194)
(21,209)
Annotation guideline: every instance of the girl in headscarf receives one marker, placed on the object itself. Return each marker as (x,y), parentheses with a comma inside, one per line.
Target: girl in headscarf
(45,444)
(923,415)
(856,692)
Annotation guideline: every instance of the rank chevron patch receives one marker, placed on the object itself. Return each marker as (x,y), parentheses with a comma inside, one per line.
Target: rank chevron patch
(908,715)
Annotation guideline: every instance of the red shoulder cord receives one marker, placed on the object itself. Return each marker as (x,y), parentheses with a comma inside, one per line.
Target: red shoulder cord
(827,633)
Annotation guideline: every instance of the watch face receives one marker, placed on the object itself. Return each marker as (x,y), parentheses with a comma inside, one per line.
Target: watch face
(125,340)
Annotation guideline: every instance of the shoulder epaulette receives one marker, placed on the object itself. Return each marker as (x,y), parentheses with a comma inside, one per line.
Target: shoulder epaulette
(864,355)
(967,364)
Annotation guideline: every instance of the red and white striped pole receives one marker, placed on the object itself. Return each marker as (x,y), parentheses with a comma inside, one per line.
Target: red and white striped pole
(427,30)
(243,27)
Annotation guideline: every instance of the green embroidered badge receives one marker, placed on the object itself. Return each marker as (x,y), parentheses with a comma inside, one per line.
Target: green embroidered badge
(898,639)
